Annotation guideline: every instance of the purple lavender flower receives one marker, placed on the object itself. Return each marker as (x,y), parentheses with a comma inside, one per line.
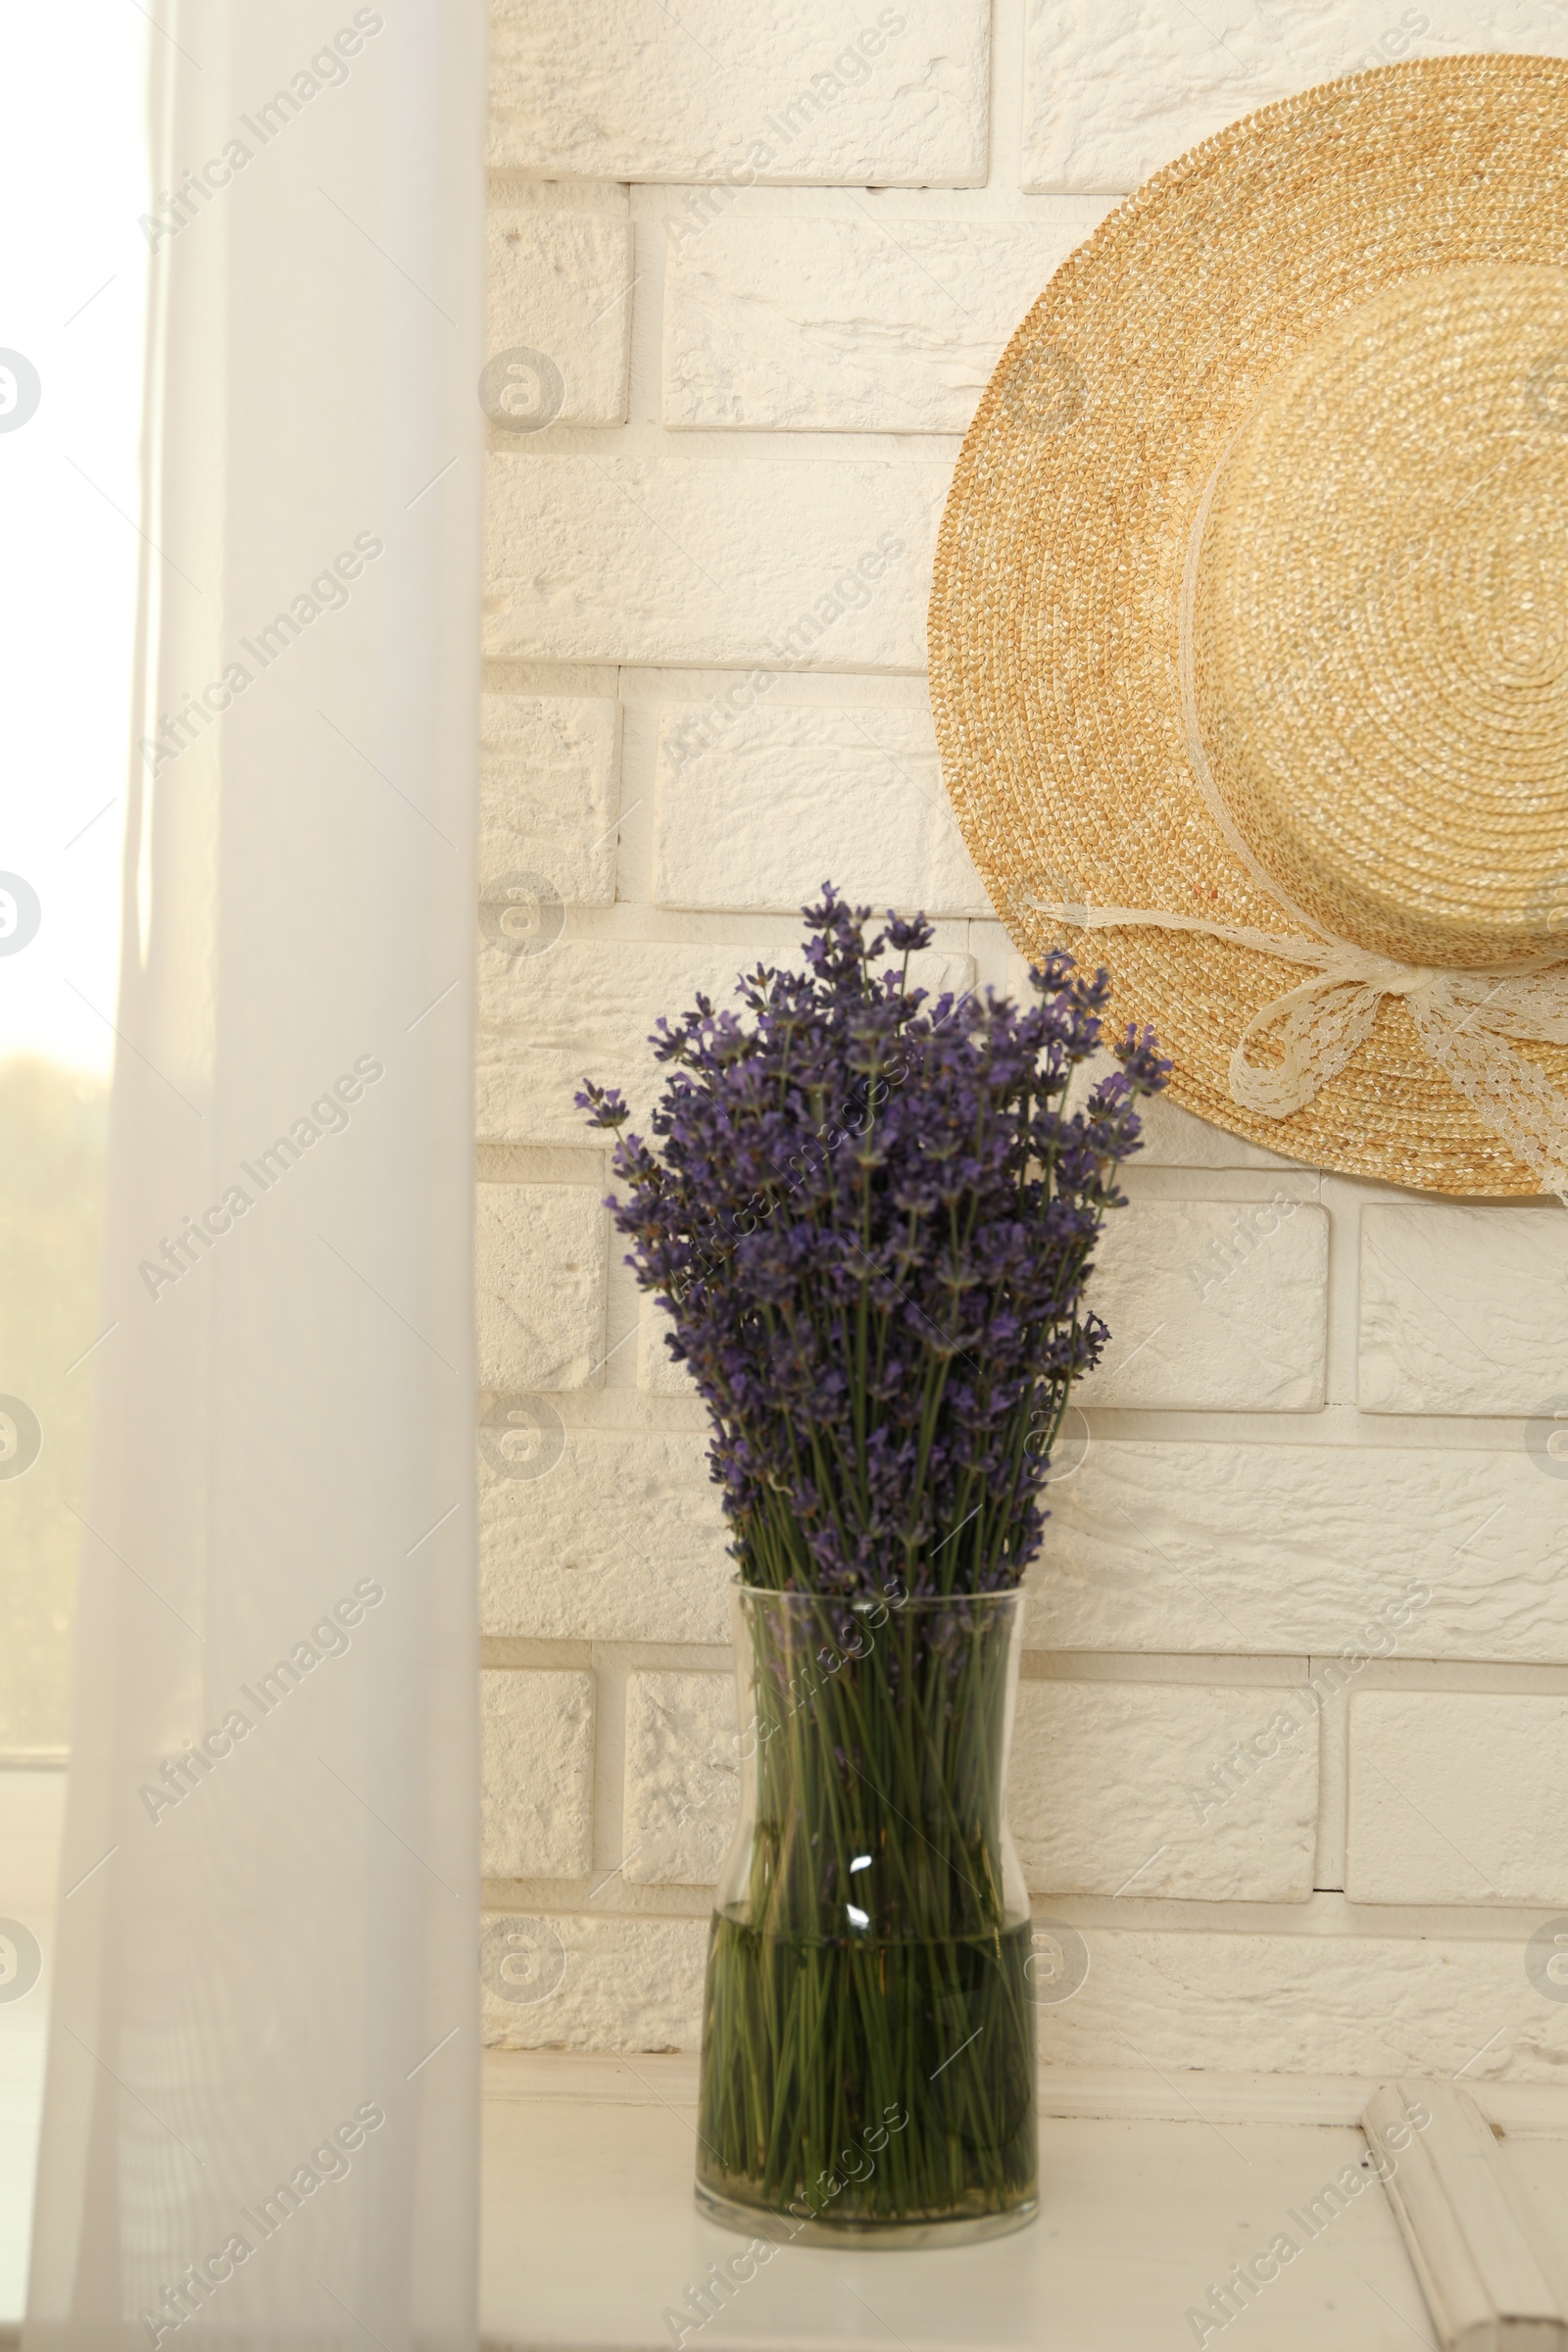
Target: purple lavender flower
(871,1220)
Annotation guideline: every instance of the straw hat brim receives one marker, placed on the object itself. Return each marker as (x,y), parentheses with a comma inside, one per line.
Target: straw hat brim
(1055,607)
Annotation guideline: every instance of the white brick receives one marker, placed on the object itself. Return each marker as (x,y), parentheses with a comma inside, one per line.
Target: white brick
(1172,1138)
(1457,1798)
(786,799)
(700,561)
(1131,1787)
(874,326)
(1463,1310)
(738,90)
(682,1778)
(1238,2002)
(1252,2003)
(540,1253)
(561,284)
(548,785)
(609,198)
(622,1540)
(584,1009)
(657,1371)
(618,1984)
(537,1746)
(1291,1550)
(588,1006)
(1198,1319)
(1115,88)
(1137,1787)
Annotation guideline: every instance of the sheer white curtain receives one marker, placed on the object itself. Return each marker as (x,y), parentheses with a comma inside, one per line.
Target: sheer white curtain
(261,2120)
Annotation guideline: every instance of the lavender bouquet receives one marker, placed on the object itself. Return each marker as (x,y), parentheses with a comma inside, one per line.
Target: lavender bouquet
(871,1217)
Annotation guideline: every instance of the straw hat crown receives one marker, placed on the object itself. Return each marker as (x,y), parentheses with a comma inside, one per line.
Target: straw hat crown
(1380,625)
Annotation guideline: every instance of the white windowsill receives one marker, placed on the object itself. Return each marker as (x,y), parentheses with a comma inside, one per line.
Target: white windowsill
(1151,2187)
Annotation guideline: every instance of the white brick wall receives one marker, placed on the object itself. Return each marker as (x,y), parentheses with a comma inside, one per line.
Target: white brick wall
(621,1985)
(547,789)
(1459,1797)
(809,90)
(773,263)
(656,1369)
(536,1738)
(1171,1137)
(1314,2004)
(561,284)
(786,799)
(1115,88)
(1463,1310)
(654,560)
(1151,1788)
(1294,1549)
(682,1778)
(539,1285)
(881,326)
(583,1008)
(621,1541)
(1212,1305)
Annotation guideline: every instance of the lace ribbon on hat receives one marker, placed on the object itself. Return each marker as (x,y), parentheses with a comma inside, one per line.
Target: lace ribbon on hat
(1462,1018)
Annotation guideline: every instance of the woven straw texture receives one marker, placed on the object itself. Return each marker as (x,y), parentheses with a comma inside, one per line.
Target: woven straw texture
(1381,624)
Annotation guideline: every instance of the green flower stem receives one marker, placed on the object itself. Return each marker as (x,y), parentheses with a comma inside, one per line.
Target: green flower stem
(823,2024)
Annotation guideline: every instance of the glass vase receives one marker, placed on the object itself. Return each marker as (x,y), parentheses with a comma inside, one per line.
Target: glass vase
(869,2053)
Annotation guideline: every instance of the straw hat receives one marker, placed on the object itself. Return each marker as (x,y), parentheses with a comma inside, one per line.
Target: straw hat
(1249,627)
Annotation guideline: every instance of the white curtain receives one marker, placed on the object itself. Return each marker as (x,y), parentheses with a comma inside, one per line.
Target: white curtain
(261,2121)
